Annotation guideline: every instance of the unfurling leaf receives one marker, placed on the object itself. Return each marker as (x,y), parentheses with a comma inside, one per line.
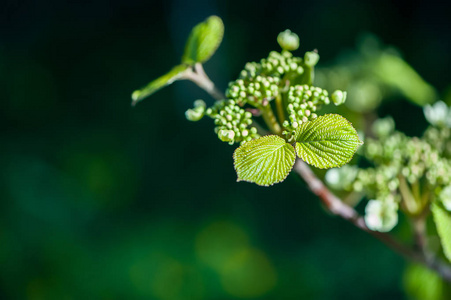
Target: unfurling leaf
(158,83)
(264,161)
(326,142)
(442,220)
(203,41)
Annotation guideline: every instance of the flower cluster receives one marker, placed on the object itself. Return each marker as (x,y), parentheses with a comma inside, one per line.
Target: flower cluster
(232,122)
(281,78)
(261,82)
(409,170)
(256,91)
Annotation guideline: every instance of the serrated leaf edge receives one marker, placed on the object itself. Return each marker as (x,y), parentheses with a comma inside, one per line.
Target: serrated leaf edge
(345,162)
(265,185)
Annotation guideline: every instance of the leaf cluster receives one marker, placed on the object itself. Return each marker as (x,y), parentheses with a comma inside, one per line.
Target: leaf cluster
(280,90)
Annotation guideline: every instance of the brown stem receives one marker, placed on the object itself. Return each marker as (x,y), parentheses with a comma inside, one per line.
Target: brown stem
(199,77)
(338,208)
(332,203)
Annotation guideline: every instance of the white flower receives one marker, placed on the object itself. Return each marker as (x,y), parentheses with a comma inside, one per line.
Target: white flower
(438,114)
(381,215)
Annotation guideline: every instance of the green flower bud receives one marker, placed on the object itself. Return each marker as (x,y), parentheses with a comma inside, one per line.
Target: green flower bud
(383,127)
(288,40)
(226,135)
(311,58)
(338,97)
(195,114)
(200,103)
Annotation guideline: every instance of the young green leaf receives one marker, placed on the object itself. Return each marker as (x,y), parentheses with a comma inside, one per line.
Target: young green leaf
(326,142)
(203,41)
(264,161)
(158,83)
(442,220)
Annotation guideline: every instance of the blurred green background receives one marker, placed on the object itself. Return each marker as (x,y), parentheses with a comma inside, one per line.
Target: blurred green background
(99,200)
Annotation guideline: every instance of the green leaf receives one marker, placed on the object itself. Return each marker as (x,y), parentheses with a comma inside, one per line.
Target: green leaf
(326,142)
(442,220)
(420,283)
(203,41)
(264,161)
(158,83)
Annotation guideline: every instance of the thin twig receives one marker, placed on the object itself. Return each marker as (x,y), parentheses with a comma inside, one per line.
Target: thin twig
(199,77)
(332,202)
(338,208)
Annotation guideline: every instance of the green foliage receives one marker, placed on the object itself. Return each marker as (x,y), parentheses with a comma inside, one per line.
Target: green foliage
(373,73)
(264,161)
(203,41)
(159,83)
(324,142)
(442,219)
(327,142)
(421,283)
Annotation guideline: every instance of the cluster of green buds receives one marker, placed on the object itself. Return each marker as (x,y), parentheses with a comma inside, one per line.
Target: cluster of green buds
(281,78)
(260,82)
(256,91)
(303,102)
(232,122)
(276,64)
(411,170)
(439,139)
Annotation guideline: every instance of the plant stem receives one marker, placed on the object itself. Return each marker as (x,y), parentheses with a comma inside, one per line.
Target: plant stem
(199,77)
(270,119)
(419,229)
(279,107)
(338,208)
(330,201)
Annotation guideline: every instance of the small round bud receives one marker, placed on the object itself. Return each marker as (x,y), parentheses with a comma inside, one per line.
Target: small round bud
(288,40)
(383,127)
(200,103)
(311,58)
(226,135)
(338,97)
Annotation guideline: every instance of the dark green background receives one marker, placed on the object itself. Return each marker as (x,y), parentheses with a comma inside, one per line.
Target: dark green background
(99,200)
